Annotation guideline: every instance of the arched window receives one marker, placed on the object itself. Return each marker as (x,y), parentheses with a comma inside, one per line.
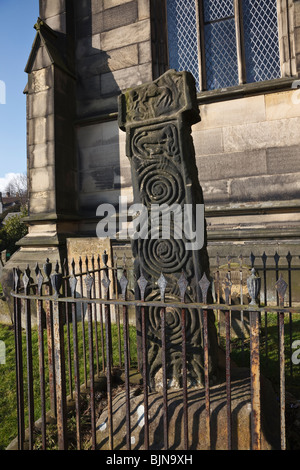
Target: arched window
(224,42)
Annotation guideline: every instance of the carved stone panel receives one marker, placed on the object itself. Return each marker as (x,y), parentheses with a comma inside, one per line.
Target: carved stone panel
(157,118)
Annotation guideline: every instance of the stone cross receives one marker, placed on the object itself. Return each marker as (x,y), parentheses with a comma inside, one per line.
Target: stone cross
(157,118)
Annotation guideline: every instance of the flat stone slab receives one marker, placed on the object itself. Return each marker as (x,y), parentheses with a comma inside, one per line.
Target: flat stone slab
(241,418)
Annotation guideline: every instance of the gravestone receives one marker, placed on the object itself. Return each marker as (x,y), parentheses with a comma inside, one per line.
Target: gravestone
(157,118)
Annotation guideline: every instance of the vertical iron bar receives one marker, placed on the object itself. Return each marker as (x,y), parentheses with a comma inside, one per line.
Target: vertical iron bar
(165,382)
(51,358)
(289,259)
(101,315)
(108,374)
(92,378)
(255,381)
(218,294)
(76,375)
(83,325)
(95,316)
(184,379)
(228,378)
(19,363)
(264,258)
(281,287)
(115,277)
(204,285)
(206,377)
(42,371)
(89,281)
(145,379)
(142,283)
(26,282)
(106,283)
(242,303)
(67,310)
(60,376)
(124,284)
(29,372)
(282,380)
(127,389)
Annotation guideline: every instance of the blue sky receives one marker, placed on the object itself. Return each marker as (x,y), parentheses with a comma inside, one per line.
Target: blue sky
(17,18)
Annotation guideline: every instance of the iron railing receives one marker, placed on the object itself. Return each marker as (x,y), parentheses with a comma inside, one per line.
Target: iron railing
(87,298)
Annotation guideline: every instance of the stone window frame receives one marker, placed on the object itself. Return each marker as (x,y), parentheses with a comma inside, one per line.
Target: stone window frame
(287,26)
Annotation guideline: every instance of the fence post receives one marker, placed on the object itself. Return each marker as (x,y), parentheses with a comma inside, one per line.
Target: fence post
(204,286)
(73,284)
(26,281)
(19,361)
(60,370)
(227,290)
(142,283)
(253,284)
(281,287)
(40,280)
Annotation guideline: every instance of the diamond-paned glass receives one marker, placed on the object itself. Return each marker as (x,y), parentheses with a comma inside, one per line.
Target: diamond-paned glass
(217,9)
(221,55)
(182,37)
(261,40)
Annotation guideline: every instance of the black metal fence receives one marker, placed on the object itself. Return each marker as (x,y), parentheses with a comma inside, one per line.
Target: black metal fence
(77,347)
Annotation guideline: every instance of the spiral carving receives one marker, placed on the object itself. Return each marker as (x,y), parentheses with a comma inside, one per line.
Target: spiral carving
(174,342)
(163,255)
(161,186)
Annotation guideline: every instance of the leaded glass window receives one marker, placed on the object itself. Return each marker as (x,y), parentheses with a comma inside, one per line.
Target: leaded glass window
(182,34)
(220,44)
(261,40)
(224,43)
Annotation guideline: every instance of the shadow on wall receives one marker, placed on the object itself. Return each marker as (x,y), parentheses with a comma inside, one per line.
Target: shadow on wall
(99,168)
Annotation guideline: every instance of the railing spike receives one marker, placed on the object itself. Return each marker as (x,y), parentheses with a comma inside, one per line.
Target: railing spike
(57,267)
(183,285)
(106,283)
(252,259)
(162,284)
(89,281)
(37,269)
(26,278)
(142,283)
(56,281)
(276,258)
(73,284)
(73,266)
(227,288)
(289,257)
(47,268)
(123,283)
(105,258)
(253,284)
(204,284)
(40,280)
(264,258)
(281,287)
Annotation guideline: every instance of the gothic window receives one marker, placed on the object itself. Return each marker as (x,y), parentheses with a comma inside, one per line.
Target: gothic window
(224,43)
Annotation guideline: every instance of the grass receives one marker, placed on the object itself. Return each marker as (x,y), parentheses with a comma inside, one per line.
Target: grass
(8,412)
(269,356)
